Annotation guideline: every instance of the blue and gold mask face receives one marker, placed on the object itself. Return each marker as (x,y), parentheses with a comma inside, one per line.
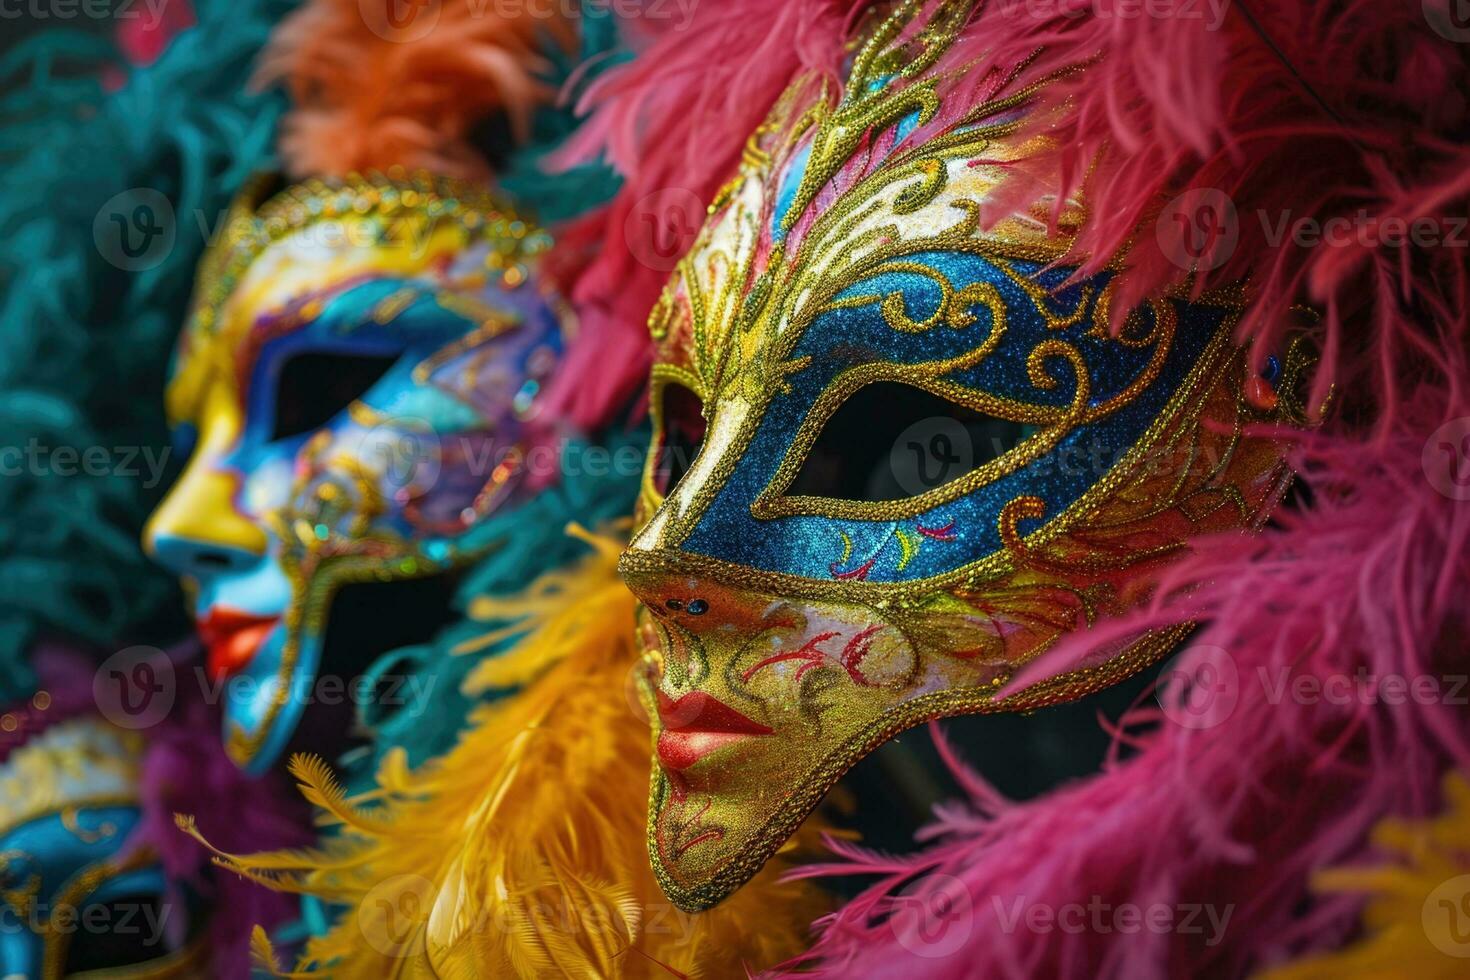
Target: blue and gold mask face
(73,900)
(923,457)
(358,381)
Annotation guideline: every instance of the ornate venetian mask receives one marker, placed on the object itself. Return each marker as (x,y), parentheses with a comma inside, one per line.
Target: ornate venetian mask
(74,901)
(358,383)
(923,458)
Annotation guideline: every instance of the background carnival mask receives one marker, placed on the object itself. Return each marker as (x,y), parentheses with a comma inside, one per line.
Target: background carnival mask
(923,458)
(358,380)
(74,901)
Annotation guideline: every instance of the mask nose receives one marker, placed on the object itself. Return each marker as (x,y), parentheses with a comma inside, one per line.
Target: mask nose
(198,531)
(198,559)
(666,591)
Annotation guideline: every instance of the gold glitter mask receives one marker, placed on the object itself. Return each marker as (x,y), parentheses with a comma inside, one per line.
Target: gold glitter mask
(922,459)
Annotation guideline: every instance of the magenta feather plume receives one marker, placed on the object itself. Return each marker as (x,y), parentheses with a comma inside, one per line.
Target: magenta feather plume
(1331,128)
(672,123)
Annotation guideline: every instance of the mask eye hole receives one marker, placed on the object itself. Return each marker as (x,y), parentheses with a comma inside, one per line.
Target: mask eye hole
(681,435)
(313,388)
(892,441)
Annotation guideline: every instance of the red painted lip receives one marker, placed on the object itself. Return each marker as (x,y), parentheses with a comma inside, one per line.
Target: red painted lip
(232,637)
(696,725)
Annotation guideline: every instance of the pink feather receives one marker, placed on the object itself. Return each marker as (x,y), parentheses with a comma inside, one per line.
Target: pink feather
(674,119)
(1370,580)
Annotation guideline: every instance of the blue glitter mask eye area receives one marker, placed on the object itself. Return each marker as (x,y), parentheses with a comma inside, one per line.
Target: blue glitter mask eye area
(1035,357)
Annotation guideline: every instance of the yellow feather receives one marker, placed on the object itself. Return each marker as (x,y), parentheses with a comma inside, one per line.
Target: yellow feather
(317,783)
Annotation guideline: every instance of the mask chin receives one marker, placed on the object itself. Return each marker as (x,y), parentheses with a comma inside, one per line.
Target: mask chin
(359,684)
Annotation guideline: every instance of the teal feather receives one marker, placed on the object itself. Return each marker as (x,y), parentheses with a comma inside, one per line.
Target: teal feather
(83,344)
(556,196)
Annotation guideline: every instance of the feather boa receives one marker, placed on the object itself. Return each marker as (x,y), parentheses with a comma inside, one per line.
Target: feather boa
(185,768)
(369,96)
(521,852)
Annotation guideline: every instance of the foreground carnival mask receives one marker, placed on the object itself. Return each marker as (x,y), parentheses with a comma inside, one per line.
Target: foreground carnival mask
(922,458)
(358,378)
(74,900)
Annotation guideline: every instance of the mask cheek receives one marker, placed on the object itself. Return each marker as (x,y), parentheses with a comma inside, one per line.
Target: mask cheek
(883,657)
(267,486)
